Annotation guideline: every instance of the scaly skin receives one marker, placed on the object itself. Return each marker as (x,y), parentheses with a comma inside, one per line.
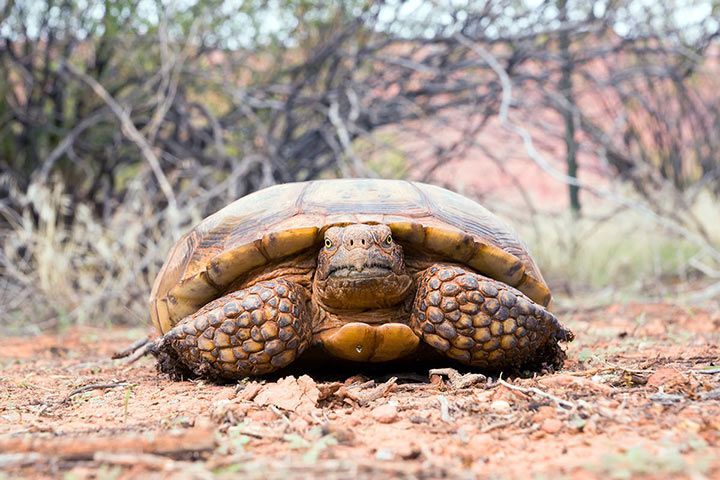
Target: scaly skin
(360,267)
(482,322)
(364,304)
(251,331)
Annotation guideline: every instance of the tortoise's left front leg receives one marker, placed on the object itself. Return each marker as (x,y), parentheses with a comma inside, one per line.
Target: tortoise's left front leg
(483,322)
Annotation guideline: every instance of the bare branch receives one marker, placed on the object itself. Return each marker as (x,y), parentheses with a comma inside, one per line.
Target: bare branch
(129,130)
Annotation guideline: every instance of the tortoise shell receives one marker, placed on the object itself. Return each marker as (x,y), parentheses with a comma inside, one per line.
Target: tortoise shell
(284,220)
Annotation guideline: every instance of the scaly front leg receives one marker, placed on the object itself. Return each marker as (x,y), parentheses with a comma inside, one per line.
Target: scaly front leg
(485,323)
(252,331)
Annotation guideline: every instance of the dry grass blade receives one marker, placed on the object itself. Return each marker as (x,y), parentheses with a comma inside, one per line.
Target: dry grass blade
(95,386)
(563,403)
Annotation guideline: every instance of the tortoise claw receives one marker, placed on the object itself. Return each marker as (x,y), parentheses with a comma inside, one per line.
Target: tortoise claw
(169,361)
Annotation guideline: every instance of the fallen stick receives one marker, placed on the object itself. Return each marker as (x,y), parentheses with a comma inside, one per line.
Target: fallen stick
(16,460)
(707,371)
(84,448)
(136,351)
(458,380)
(94,386)
(148,460)
(445,409)
(131,349)
(493,426)
(362,397)
(537,391)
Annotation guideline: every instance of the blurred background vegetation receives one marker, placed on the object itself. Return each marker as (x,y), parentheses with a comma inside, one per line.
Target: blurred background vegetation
(591,126)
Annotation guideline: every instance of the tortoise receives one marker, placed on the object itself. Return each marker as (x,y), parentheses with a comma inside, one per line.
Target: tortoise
(361,269)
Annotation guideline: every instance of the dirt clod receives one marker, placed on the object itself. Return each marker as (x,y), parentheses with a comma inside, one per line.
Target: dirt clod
(387,413)
(664,377)
(295,395)
(551,425)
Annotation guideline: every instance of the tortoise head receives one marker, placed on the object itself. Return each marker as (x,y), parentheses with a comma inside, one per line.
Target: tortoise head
(359,267)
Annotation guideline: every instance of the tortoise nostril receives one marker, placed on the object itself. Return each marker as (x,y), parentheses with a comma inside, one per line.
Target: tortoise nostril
(351,242)
(363,241)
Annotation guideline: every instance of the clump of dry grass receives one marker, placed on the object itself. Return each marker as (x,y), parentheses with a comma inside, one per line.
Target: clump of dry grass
(621,254)
(61,267)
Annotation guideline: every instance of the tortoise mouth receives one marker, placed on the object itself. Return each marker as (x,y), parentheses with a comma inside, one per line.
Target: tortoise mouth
(377,269)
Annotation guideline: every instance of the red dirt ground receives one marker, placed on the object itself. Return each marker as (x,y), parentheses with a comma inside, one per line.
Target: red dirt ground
(640,397)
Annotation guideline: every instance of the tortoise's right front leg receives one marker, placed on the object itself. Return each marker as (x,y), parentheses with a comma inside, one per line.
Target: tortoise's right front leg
(252,331)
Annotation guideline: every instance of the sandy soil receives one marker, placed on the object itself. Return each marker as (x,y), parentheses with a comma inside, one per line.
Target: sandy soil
(640,397)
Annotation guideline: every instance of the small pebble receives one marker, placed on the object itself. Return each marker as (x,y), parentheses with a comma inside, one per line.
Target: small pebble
(408,452)
(500,406)
(551,425)
(385,413)
(384,454)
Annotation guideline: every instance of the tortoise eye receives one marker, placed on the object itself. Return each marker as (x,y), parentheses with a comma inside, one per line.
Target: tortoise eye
(388,240)
(328,243)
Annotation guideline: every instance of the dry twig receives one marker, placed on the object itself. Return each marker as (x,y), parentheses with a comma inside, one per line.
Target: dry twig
(444,409)
(356,394)
(537,391)
(458,380)
(78,448)
(94,386)
(707,371)
(502,424)
(128,127)
(141,345)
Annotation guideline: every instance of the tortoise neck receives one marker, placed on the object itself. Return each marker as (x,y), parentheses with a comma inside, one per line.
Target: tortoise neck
(325,318)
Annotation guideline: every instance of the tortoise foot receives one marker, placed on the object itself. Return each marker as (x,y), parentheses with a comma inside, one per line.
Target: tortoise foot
(485,323)
(252,331)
